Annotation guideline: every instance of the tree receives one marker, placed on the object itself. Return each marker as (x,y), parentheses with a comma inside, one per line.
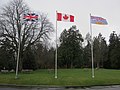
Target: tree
(7,57)
(100,50)
(70,49)
(29,61)
(87,51)
(44,56)
(114,49)
(14,28)
(104,53)
(97,50)
(51,58)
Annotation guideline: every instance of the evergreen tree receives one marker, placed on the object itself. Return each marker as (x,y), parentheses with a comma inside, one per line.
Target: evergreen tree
(87,55)
(100,50)
(7,57)
(114,49)
(70,51)
(87,51)
(29,59)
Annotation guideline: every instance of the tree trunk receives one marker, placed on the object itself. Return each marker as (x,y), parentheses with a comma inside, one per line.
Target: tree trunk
(98,65)
(71,64)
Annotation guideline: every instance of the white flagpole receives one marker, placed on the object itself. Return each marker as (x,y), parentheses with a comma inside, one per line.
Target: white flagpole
(18,56)
(93,75)
(56,50)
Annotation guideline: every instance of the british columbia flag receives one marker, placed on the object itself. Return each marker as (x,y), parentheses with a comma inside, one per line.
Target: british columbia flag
(98,20)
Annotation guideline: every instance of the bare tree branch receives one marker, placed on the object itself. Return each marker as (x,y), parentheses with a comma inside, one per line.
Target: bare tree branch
(13,27)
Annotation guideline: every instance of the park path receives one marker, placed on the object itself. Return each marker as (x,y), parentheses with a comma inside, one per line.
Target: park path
(115,87)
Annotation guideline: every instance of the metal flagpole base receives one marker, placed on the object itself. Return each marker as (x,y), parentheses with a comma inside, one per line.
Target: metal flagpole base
(16,77)
(55,77)
(93,76)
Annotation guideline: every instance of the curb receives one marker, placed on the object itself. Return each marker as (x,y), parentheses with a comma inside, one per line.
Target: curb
(53,86)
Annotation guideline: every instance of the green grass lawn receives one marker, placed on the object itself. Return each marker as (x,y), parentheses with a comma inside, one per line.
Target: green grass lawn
(66,77)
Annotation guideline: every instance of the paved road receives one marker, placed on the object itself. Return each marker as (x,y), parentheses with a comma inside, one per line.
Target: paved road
(117,87)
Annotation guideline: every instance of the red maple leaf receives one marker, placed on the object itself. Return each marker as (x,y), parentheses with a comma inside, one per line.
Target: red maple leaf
(65,17)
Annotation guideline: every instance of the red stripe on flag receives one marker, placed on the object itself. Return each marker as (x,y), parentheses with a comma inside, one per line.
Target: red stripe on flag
(59,17)
(71,18)
(30,17)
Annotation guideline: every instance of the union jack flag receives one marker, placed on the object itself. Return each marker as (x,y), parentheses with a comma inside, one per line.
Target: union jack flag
(30,17)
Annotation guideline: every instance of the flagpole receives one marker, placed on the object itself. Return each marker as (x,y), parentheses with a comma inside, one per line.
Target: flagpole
(93,75)
(56,50)
(18,56)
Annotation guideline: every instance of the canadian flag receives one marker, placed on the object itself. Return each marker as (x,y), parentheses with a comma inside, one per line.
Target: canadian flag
(65,17)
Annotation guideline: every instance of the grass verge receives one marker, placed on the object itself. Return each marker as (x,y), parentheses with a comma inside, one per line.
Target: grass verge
(66,77)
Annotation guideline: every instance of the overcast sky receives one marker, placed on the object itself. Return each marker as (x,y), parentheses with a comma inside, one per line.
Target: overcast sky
(81,9)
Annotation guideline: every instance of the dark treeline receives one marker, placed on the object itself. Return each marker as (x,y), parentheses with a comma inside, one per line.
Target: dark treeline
(73,53)
(37,53)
